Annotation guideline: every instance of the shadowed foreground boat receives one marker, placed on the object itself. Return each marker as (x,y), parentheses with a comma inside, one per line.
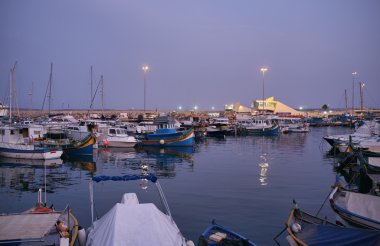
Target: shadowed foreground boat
(38,226)
(306,229)
(219,235)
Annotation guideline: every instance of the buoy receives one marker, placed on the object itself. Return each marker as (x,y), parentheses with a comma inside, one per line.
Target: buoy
(296,227)
(162,141)
(82,236)
(105,143)
(190,243)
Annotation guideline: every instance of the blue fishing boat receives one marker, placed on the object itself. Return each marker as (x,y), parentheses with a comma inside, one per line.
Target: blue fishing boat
(260,126)
(216,234)
(84,147)
(69,147)
(306,229)
(167,135)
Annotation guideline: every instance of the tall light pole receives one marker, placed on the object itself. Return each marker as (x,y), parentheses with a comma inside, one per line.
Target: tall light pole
(145,68)
(353,91)
(361,85)
(263,70)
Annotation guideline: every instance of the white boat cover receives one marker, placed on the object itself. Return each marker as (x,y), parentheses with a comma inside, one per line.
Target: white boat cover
(365,205)
(135,224)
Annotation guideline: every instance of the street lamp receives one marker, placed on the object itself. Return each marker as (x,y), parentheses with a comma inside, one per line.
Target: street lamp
(353,90)
(263,70)
(145,68)
(361,86)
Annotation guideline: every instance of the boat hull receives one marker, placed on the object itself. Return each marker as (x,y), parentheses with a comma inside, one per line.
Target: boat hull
(29,152)
(265,131)
(210,236)
(178,139)
(84,148)
(337,201)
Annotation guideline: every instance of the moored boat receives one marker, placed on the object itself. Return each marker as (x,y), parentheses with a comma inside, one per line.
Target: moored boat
(306,229)
(167,135)
(39,225)
(118,137)
(217,234)
(359,209)
(16,143)
(133,223)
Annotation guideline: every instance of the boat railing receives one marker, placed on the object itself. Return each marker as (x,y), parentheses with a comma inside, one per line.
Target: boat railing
(151,177)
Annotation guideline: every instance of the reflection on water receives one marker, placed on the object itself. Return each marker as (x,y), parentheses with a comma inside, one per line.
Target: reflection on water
(263,169)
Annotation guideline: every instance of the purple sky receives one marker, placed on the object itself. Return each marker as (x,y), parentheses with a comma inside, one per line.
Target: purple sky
(204,53)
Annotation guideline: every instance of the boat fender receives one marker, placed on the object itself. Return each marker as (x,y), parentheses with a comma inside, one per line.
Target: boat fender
(82,236)
(296,227)
(64,241)
(190,243)
(162,141)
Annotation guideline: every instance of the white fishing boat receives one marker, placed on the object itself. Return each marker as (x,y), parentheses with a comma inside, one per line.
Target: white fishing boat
(15,142)
(359,209)
(118,137)
(368,131)
(292,124)
(133,223)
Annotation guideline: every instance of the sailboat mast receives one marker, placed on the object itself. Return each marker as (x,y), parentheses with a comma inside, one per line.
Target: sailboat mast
(91,88)
(345,98)
(50,84)
(12,76)
(101,78)
(10,96)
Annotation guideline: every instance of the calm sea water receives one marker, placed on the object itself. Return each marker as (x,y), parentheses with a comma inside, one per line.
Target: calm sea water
(244,183)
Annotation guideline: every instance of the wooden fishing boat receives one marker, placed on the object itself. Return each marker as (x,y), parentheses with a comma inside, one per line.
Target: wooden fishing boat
(217,234)
(70,147)
(306,229)
(38,226)
(362,210)
(133,223)
(167,135)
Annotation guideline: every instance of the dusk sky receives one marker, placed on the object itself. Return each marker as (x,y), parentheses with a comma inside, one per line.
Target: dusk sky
(200,53)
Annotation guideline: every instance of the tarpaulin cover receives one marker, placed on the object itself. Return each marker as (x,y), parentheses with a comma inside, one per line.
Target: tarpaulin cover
(141,224)
(325,235)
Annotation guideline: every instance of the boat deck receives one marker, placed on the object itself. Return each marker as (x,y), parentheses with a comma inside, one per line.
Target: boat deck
(26,226)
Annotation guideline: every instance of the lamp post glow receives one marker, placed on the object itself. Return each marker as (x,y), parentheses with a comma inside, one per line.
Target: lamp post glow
(361,86)
(263,70)
(353,91)
(145,68)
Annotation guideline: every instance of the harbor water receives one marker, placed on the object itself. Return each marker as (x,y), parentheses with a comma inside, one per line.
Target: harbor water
(244,183)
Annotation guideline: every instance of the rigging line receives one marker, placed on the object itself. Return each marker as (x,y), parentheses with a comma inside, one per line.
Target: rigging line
(43,104)
(323,204)
(93,98)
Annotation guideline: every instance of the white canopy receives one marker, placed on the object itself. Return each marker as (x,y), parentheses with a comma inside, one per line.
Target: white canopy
(135,224)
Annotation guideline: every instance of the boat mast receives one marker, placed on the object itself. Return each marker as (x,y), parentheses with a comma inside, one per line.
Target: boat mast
(30,94)
(345,98)
(50,84)
(91,87)
(101,78)
(353,91)
(12,81)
